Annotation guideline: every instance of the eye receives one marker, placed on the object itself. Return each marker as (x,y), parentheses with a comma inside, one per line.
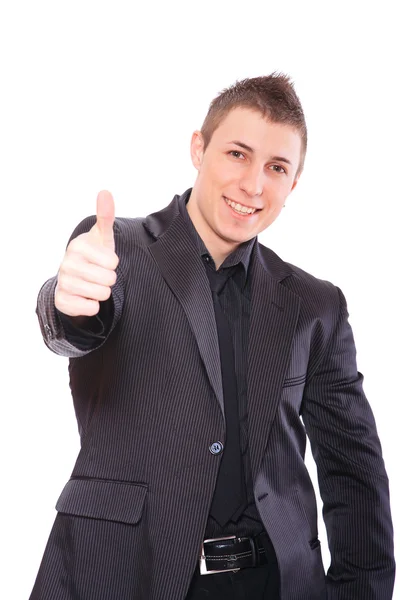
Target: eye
(235,153)
(277,169)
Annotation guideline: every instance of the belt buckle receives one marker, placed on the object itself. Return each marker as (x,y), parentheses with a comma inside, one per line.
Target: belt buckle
(203,566)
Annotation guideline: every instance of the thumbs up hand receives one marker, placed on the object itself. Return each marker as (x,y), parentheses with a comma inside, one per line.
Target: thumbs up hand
(87,272)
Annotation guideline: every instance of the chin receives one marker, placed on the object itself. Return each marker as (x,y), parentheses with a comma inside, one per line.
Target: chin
(234,239)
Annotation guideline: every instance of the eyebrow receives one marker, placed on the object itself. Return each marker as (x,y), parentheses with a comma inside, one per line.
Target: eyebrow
(249,149)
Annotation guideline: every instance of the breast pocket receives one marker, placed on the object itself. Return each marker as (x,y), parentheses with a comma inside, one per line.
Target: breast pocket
(102,499)
(292,381)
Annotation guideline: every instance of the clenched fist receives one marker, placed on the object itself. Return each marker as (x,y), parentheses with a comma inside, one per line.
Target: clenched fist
(87,271)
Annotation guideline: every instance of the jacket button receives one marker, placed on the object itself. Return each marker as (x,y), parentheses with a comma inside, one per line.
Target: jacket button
(216,448)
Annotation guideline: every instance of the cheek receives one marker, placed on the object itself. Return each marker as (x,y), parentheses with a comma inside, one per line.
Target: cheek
(277,184)
(277,192)
(222,173)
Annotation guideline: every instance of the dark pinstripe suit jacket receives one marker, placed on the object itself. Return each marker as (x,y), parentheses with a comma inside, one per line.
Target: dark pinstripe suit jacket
(149,404)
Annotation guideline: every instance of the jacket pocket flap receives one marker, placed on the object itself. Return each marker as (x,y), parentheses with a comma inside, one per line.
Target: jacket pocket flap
(102,499)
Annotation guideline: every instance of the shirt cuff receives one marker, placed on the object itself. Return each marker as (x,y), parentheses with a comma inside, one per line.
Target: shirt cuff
(93,331)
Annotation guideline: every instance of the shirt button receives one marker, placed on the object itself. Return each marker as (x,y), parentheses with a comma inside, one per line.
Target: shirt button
(216,448)
(207,258)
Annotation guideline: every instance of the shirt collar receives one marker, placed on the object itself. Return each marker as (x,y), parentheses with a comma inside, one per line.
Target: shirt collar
(241,255)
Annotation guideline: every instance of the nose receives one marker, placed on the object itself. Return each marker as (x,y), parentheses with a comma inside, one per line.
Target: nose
(252,181)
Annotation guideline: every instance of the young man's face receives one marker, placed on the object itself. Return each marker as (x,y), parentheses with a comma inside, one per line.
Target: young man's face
(259,177)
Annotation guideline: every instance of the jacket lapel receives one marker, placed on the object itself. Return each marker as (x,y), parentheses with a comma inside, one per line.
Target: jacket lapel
(273,319)
(182,269)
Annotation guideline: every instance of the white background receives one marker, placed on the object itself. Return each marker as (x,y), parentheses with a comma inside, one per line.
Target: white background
(106,95)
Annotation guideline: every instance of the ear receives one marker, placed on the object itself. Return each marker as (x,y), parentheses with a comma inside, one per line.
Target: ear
(296,179)
(197,149)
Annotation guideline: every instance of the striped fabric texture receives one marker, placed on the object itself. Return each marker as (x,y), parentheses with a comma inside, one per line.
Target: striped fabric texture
(148,400)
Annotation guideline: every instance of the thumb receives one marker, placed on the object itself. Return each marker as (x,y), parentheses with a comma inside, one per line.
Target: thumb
(105,218)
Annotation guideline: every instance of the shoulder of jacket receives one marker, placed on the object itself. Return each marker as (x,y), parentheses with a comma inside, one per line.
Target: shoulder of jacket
(131,230)
(316,293)
(308,279)
(295,272)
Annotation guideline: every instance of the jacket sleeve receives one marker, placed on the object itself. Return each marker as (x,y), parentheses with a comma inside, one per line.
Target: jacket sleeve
(351,473)
(61,336)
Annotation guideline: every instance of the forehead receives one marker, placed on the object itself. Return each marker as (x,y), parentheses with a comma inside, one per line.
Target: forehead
(250,127)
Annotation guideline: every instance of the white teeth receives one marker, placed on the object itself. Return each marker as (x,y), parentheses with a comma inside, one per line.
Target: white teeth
(239,208)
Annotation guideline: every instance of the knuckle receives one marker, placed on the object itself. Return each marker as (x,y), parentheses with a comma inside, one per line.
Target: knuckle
(73,262)
(66,265)
(63,265)
(62,304)
(74,245)
(58,292)
(64,282)
(83,246)
(60,283)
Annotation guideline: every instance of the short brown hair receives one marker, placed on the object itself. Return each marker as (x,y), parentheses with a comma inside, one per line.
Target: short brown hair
(271,95)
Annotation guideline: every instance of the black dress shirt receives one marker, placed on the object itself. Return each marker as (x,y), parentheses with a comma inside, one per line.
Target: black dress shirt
(235,300)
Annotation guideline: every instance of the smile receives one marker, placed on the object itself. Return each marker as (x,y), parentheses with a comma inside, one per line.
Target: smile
(240,208)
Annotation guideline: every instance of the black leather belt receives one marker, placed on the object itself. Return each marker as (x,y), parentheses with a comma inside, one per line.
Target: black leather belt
(232,553)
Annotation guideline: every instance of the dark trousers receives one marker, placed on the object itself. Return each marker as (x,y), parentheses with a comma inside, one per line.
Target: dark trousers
(258,583)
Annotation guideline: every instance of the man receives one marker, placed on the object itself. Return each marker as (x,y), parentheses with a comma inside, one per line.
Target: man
(199,360)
